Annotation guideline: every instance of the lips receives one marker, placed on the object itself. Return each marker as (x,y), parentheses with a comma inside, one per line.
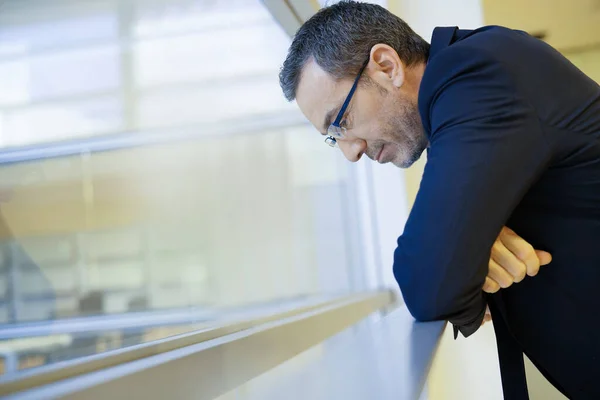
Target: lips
(378,158)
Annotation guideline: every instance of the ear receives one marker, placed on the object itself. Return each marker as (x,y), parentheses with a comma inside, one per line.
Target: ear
(385,66)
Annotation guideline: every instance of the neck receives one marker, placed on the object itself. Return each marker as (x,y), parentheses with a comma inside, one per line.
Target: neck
(414,75)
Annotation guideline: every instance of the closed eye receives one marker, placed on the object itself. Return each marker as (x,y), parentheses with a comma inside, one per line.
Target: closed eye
(346,120)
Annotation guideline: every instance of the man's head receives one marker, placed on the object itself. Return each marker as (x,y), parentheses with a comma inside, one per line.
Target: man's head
(326,56)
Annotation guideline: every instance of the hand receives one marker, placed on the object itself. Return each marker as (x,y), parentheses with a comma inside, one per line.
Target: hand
(487,317)
(512,258)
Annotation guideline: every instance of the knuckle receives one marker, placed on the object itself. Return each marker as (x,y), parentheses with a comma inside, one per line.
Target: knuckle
(504,283)
(520,277)
(496,250)
(488,289)
(517,270)
(506,230)
(533,271)
(526,251)
(490,285)
(533,263)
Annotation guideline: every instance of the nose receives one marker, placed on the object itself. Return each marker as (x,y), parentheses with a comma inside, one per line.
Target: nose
(353,149)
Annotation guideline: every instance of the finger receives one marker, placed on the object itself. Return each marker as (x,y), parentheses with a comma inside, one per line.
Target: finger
(487,316)
(544,257)
(490,285)
(522,251)
(508,261)
(500,275)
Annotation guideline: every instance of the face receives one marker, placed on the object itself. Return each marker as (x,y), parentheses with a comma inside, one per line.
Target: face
(382,120)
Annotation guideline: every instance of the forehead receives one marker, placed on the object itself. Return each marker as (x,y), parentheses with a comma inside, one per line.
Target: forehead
(318,93)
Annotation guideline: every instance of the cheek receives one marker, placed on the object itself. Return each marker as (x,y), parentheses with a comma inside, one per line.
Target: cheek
(372,126)
(371,131)
(376,119)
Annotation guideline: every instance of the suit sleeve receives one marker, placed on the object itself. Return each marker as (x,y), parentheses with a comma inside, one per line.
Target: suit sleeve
(486,150)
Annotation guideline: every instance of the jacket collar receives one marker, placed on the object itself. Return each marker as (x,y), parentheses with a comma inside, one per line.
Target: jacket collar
(441,38)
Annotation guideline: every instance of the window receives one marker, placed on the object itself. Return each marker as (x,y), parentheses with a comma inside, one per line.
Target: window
(227,203)
(78,70)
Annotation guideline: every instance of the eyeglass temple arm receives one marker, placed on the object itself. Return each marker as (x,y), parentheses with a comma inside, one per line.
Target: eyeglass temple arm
(349,97)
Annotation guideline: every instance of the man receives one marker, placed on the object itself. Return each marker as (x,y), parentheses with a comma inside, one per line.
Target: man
(512,131)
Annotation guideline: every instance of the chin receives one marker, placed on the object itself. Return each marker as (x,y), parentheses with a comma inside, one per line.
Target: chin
(406,162)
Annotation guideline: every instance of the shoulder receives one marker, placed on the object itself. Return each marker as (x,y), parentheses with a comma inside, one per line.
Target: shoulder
(478,63)
(490,45)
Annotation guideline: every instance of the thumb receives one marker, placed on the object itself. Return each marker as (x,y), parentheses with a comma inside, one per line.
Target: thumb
(544,257)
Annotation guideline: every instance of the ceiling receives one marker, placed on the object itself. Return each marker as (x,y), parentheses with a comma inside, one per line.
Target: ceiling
(567,25)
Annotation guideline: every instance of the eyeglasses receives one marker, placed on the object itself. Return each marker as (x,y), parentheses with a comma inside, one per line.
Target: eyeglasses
(335,131)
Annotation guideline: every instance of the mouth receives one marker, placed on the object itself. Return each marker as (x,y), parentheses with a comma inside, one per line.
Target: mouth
(378,158)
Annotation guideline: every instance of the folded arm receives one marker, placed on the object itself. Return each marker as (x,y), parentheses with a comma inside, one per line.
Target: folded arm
(486,150)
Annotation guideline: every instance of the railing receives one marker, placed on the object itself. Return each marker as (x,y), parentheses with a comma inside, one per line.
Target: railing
(209,363)
(126,140)
(34,344)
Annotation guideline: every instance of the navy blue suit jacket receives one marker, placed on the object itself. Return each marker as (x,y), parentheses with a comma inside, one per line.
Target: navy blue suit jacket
(514,131)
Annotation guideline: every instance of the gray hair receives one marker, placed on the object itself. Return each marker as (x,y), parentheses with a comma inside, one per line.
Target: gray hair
(340,37)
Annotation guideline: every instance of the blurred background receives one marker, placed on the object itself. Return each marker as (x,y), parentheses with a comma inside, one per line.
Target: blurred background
(150,163)
(153,179)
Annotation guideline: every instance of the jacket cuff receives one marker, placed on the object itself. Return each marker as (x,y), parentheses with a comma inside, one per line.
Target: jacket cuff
(470,328)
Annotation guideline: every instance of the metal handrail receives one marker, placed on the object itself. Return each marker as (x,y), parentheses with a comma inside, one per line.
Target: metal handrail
(330,317)
(125,140)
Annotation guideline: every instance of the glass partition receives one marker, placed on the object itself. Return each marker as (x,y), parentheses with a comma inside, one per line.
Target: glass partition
(153,180)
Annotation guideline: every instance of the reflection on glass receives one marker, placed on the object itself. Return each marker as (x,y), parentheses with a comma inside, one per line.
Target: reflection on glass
(105,249)
(168,17)
(72,70)
(196,227)
(169,59)
(61,120)
(27,29)
(225,101)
